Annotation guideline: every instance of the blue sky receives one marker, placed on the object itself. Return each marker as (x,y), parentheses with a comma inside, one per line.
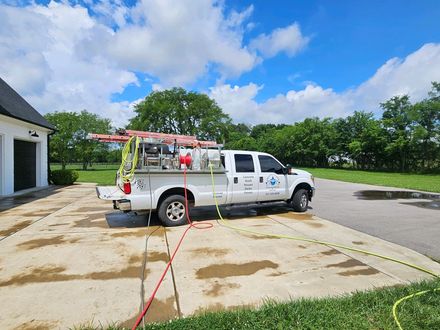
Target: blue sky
(262,61)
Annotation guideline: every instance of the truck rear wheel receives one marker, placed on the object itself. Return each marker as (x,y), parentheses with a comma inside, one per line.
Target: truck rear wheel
(172,211)
(300,200)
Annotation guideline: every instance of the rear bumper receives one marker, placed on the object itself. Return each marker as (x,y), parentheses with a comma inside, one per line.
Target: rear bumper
(123,205)
(115,195)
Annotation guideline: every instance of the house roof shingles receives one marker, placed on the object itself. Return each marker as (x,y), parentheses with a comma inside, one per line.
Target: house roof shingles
(15,106)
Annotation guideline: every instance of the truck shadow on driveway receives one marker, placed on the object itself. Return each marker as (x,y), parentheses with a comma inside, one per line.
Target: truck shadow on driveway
(119,219)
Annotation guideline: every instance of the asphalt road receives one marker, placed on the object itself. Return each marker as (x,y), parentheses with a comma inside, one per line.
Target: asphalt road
(403,221)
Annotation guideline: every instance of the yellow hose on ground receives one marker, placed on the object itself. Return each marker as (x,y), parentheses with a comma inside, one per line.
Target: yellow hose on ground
(127,176)
(349,248)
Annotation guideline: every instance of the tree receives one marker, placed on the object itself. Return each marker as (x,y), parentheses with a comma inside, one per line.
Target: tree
(396,120)
(365,139)
(425,116)
(180,112)
(62,143)
(70,140)
(87,149)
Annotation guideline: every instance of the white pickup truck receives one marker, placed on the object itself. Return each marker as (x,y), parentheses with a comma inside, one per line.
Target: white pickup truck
(242,177)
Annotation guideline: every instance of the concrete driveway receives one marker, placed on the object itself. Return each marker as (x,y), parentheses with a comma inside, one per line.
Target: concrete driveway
(66,259)
(411,222)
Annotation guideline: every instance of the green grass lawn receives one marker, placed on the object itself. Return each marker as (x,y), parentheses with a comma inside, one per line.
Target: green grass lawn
(100,174)
(424,182)
(361,310)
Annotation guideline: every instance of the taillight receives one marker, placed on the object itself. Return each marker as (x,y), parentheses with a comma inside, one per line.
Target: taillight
(127,188)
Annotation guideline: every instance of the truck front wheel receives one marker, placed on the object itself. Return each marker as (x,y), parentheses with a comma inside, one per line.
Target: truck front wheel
(300,200)
(172,211)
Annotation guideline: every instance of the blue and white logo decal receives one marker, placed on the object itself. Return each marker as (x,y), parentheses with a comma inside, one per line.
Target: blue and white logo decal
(272,181)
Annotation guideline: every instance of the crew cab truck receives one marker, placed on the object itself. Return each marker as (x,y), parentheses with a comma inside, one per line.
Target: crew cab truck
(241,177)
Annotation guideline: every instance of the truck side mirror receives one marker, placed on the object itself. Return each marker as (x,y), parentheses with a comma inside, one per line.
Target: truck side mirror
(287,169)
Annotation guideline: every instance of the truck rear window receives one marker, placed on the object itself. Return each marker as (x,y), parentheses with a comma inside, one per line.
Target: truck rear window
(244,163)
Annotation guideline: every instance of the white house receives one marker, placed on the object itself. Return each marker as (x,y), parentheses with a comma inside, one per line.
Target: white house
(24,136)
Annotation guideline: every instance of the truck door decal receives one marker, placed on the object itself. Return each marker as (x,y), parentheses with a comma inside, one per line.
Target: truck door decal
(272,183)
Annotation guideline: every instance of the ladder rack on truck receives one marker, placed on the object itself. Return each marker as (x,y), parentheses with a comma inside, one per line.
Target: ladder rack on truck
(162,151)
(153,137)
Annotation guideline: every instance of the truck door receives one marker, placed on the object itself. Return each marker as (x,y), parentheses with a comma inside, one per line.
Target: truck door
(272,182)
(245,179)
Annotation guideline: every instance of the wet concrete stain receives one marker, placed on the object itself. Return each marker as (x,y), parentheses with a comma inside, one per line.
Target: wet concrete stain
(314,224)
(261,236)
(96,216)
(89,222)
(330,252)
(296,216)
(17,227)
(37,325)
(302,247)
(207,251)
(433,204)
(364,271)
(347,264)
(56,274)
(39,212)
(158,256)
(358,242)
(229,269)
(160,310)
(59,224)
(218,289)
(155,231)
(38,243)
(103,208)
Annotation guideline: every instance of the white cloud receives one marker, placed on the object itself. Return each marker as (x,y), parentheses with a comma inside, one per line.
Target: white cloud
(178,41)
(237,101)
(41,60)
(240,103)
(61,58)
(412,75)
(289,40)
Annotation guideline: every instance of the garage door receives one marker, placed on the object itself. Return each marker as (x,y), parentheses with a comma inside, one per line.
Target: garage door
(25,165)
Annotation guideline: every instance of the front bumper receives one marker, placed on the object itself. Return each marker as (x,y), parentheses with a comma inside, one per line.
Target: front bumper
(311,193)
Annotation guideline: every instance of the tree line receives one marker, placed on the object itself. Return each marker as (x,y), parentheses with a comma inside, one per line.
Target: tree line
(405,138)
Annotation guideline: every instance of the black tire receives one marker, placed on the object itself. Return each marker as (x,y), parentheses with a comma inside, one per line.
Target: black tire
(300,200)
(172,211)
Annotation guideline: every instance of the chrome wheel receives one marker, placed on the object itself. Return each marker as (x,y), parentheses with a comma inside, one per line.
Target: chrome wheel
(175,211)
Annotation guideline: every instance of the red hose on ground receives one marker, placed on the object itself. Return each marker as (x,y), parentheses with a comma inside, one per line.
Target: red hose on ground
(159,283)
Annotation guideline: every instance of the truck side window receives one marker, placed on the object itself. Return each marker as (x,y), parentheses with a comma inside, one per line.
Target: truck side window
(269,164)
(244,163)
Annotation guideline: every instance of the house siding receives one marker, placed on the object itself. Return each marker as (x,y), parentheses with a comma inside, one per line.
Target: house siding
(11,129)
